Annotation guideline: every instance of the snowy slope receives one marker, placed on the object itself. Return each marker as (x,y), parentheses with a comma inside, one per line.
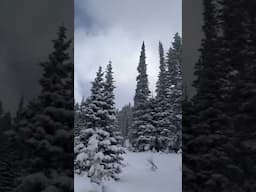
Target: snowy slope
(137,176)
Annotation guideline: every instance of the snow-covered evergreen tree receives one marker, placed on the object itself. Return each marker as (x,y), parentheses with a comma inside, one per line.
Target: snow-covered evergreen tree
(142,91)
(92,122)
(98,153)
(174,69)
(161,85)
(157,121)
(163,116)
(109,97)
(141,119)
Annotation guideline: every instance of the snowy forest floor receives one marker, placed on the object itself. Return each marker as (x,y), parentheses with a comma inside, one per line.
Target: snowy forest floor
(137,176)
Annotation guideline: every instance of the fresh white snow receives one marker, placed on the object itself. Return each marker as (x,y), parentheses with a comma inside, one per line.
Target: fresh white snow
(138,176)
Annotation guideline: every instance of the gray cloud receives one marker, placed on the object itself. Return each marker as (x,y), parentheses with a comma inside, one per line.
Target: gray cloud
(27,28)
(116,31)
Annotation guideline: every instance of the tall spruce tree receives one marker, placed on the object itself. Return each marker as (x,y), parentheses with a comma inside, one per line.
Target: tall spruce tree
(111,123)
(48,125)
(141,120)
(171,102)
(109,96)
(162,77)
(206,137)
(162,116)
(177,111)
(142,91)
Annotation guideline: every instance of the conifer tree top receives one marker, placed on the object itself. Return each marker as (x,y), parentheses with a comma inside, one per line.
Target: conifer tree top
(97,83)
(55,68)
(109,77)
(142,90)
(161,83)
(177,42)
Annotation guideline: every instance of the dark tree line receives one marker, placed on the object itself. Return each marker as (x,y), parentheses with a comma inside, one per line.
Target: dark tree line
(219,126)
(124,117)
(7,151)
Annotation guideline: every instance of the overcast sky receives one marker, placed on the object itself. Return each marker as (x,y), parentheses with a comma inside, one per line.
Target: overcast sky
(114,30)
(27,28)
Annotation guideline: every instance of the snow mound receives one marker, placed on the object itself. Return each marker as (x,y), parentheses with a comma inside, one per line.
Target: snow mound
(138,176)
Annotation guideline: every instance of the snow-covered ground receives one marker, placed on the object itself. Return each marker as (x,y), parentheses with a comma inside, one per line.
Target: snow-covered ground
(137,176)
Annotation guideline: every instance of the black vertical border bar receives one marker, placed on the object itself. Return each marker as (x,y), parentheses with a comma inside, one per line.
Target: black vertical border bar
(27,31)
(219,121)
